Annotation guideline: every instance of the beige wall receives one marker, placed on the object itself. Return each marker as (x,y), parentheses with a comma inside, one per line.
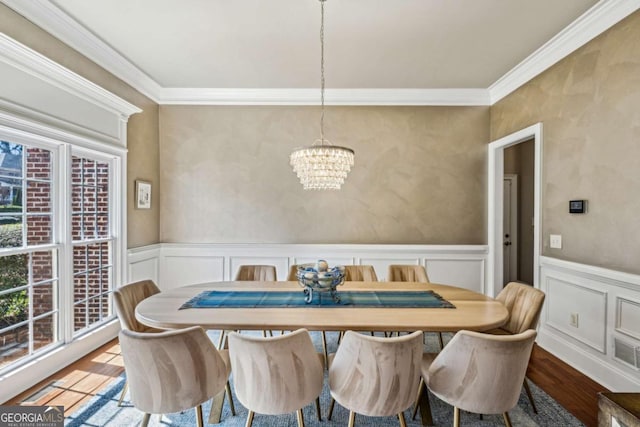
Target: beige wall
(143,225)
(589,104)
(419,175)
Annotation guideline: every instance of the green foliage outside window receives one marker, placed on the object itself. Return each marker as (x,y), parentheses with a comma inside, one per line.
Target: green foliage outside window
(14,306)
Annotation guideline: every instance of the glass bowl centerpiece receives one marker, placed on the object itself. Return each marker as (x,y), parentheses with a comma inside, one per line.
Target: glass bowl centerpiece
(319,277)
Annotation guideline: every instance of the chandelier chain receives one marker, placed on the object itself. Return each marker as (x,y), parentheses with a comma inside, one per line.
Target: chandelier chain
(322,141)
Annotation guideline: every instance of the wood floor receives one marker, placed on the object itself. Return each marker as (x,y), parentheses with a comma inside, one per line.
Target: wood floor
(80,381)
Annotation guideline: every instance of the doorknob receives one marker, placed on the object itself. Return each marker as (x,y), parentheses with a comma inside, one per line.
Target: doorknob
(507,243)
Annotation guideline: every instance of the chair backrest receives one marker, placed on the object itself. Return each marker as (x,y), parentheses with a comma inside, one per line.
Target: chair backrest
(360,273)
(172,371)
(481,373)
(261,273)
(275,375)
(293,273)
(524,303)
(376,376)
(128,297)
(407,273)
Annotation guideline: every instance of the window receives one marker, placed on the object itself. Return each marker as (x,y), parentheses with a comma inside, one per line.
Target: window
(52,223)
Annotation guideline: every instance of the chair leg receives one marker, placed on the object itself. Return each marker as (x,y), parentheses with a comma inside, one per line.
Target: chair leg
(440,340)
(416,406)
(529,395)
(199,420)
(145,420)
(300,418)
(403,423)
(456,416)
(318,408)
(249,419)
(352,419)
(264,333)
(324,350)
(124,391)
(507,420)
(331,405)
(230,397)
(425,407)
(221,339)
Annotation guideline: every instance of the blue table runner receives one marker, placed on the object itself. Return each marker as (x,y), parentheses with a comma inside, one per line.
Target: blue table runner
(264,299)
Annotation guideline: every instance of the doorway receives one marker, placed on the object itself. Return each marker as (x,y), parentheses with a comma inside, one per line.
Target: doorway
(528,221)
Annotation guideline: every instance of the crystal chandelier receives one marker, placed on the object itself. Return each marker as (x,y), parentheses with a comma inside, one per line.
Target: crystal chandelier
(322,166)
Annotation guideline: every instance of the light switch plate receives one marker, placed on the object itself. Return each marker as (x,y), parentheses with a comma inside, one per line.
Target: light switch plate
(555,241)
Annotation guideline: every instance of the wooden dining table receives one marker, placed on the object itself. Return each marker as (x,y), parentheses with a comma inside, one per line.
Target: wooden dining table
(473,311)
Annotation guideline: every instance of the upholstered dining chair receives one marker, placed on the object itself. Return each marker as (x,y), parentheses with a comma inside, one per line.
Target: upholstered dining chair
(524,303)
(407,273)
(261,273)
(126,299)
(479,373)
(276,375)
(375,376)
(360,273)
(174,370)
(293,273)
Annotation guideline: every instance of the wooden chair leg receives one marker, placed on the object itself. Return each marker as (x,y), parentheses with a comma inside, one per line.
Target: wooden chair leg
(221,339)
(403,423)
(124,391)
(352,419)
(300,418)
(417,404)
(230,398)
(456,416)
(249,419)
(333,402)
(527,389)
(145,420)
(199,420)
(318,408)
(507,420)
(264,333)
(440,340)
(324,350)
(425,407)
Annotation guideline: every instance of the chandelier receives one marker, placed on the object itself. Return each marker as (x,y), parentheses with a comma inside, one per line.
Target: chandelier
(322,166)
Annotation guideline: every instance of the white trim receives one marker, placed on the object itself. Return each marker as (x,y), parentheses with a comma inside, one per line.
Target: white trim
(54,20)
(599,18)
(213,96)
(495,200)
(35,64)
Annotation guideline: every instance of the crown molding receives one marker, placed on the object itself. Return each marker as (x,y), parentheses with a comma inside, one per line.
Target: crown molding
(196,96)
(602,16)
(24,58)
(56,22)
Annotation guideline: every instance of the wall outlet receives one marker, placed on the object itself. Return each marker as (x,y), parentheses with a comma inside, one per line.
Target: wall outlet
(573,320)
(555,241)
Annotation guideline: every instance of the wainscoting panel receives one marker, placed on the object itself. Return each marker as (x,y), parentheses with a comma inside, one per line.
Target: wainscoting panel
(144,263)
(179,271)
(603,341)
(381,265)
(461,271)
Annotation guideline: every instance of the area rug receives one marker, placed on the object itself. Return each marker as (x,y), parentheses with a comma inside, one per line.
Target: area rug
(103,409)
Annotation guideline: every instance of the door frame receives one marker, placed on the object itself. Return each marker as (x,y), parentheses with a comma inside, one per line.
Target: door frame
(495,202)
(514,219)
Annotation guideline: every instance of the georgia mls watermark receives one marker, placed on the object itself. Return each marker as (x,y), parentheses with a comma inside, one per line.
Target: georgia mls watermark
(31,416)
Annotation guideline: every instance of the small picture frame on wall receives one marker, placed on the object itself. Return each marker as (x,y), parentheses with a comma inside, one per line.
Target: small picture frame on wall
(143,194)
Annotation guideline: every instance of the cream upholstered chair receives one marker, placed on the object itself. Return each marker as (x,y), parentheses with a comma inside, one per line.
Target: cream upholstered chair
(407,273)
(276,375)
(126,299)
(293,273)
(524,303)
(479,373)
(376,376)
(261,273)
(360,273)
(174,370)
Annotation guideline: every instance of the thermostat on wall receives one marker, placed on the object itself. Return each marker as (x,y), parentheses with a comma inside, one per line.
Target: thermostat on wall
(577,206)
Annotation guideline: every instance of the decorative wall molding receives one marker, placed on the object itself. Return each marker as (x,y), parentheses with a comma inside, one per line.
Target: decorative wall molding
(596,20)
(211,96)
(602,16)
(607,301)
(184,264)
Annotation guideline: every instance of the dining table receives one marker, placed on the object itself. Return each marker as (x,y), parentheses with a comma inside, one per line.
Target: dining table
(467,310)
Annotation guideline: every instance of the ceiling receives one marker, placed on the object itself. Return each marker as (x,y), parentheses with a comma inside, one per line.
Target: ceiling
(194,46)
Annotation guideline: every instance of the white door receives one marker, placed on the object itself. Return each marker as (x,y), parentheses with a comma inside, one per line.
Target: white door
(510,229)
